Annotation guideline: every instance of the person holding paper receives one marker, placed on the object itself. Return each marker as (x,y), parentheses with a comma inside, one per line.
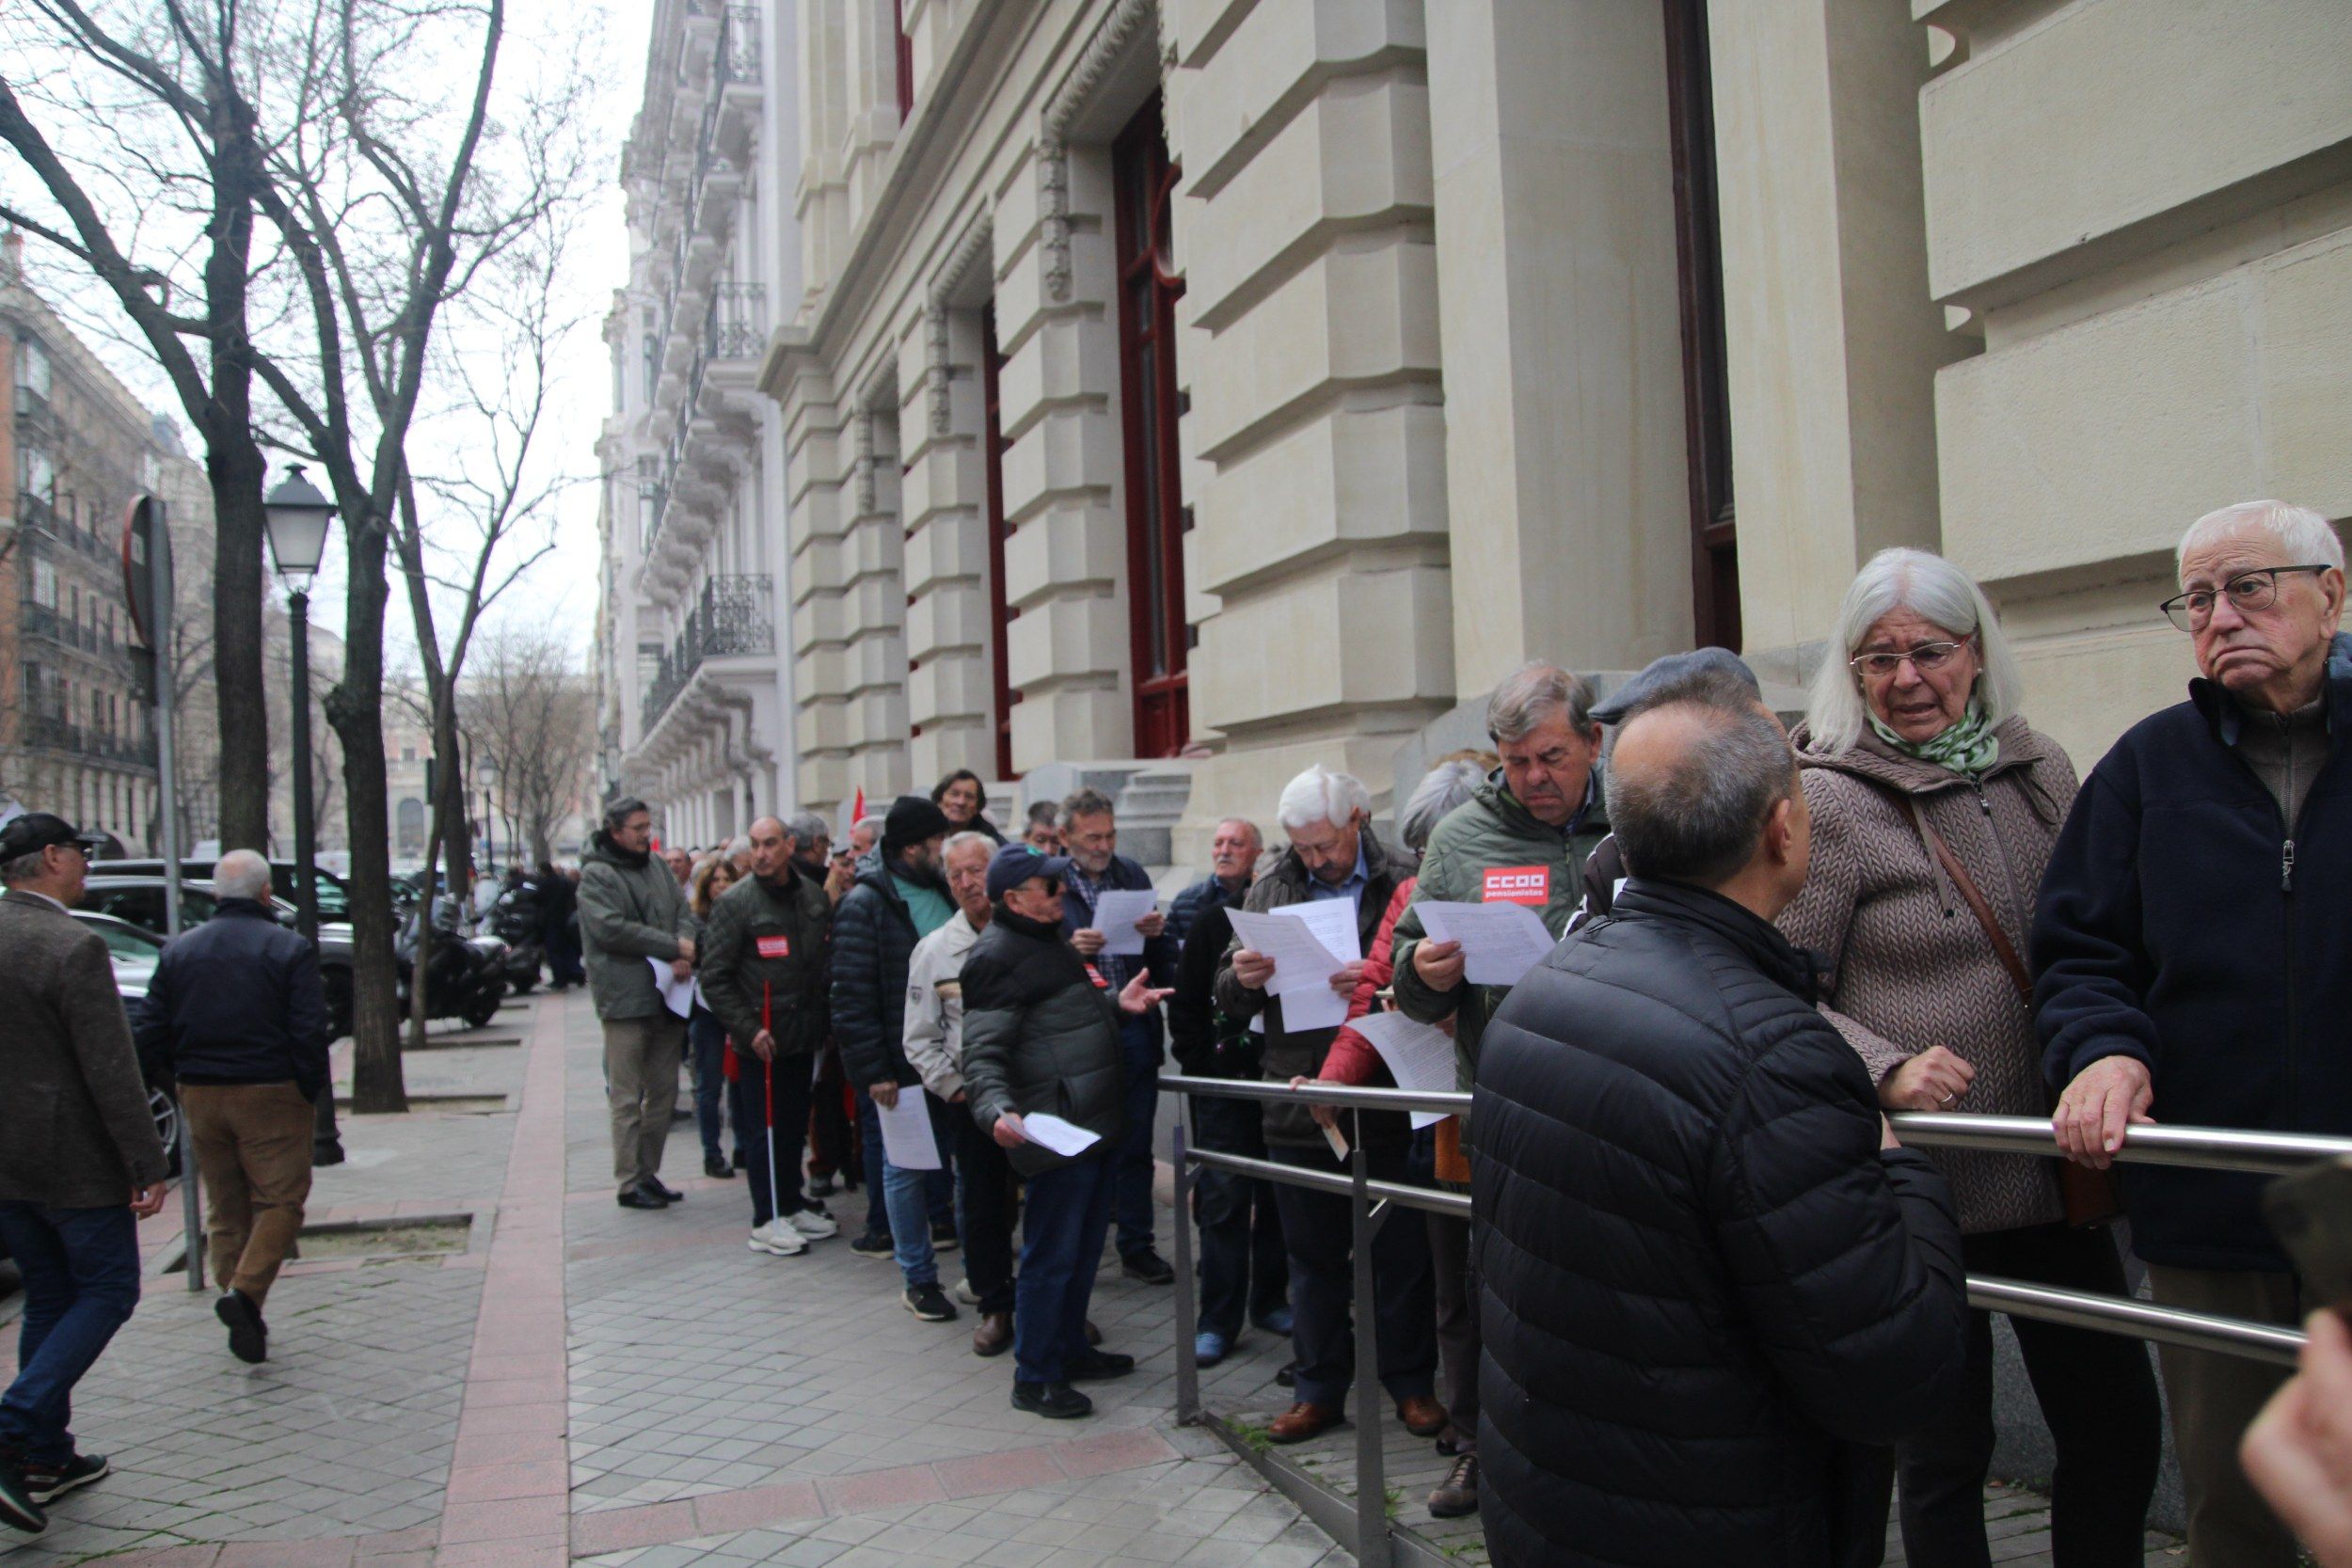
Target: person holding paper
(1333,860)
(1089,833)
(899,899)
(631,910)
(1042,1037)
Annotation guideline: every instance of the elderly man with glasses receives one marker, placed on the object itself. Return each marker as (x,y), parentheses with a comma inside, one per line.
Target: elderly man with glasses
(2195,965)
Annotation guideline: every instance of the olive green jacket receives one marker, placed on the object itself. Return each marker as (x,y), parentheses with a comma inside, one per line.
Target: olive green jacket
(1491,849)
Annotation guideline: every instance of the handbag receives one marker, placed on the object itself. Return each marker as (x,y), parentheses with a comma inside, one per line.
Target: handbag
(2090,1195)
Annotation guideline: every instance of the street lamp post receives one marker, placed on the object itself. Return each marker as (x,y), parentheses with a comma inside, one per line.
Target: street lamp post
(297,517)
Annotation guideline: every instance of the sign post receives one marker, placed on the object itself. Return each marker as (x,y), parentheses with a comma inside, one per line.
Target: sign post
(147,589)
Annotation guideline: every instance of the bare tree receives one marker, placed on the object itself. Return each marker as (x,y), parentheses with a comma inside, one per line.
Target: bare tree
(531,716)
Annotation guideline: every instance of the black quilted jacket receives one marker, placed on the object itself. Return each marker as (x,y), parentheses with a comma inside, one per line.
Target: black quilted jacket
(1707,1297)
(873,937)
(1039,1034)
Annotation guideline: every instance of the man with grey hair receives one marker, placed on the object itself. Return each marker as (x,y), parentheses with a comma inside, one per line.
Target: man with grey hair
(631,910)
(1090,835)
(1334,855)
(236,1013)
(2194,963)
(1233,851)
(1714,1287)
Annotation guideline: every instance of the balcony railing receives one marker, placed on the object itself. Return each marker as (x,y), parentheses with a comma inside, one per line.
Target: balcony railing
(739,47)
(54,732)
(736,325)
(731,617)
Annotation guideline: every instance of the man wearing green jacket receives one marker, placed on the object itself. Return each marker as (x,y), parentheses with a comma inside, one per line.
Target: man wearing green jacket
(1521,839)
(630,911)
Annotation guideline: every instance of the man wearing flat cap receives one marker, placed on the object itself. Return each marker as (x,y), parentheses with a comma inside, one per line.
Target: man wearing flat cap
(80,1162)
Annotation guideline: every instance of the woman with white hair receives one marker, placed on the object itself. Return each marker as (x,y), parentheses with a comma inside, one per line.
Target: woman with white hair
(1935,807)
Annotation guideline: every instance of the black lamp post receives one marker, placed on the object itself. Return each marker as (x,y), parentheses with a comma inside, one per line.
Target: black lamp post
(297,517)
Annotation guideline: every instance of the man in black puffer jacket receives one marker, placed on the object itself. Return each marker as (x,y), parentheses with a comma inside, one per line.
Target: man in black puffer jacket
(1713,1288)
(1042,1037)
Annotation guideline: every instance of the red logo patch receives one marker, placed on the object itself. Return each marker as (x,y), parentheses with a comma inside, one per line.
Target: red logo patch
(1519,884)
(1096,975)
(773,947)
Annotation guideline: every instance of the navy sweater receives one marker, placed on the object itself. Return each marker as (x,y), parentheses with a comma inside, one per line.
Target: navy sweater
(2182,922)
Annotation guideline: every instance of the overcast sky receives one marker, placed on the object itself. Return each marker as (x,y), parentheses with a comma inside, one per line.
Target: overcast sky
(562,587)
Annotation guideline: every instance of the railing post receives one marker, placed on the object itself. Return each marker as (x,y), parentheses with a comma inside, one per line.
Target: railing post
(1187,1290)
(1371,1489)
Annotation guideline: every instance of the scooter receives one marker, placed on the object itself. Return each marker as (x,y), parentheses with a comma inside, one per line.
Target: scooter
(515,921)
(467,976)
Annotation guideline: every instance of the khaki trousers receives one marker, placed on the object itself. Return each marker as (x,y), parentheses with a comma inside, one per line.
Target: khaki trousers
(252,1143)
(640,1065)
(2214,1399)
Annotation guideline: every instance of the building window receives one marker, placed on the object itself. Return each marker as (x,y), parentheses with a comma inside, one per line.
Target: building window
(1145,184)
(993,446)
(1705,387)
(904,49)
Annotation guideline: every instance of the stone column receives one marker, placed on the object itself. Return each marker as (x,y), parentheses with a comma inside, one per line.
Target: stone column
(874,599)
(818,478)
(950,693)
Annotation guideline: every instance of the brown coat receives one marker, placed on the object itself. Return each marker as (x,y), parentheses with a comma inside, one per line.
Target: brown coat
(75,1130)
(1908,966)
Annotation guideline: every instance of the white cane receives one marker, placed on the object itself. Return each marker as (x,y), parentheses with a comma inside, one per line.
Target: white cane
(768,1077)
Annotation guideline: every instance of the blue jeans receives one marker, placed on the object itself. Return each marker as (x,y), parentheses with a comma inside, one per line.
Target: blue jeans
(1140,1040)
(707,1041)
(80,1269)
(869,1140)
(912,1197)
(1061,1251)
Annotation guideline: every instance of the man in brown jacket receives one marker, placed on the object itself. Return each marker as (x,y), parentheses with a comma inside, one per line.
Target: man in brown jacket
(80,1164)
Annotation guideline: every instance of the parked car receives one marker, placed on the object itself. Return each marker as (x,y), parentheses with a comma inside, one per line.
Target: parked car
(137,898)
(333,894)
(135,952)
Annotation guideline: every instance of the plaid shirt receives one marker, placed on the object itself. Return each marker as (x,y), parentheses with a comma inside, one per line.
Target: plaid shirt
(1117,969)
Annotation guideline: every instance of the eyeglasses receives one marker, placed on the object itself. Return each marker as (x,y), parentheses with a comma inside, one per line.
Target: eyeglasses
(1925,658)
(2249,591)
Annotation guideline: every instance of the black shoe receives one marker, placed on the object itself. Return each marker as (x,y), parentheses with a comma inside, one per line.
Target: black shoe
(18,1511)
(669,1195)
(324,1151)
(1288,1376)
(1147,1266)
(930,1304)
(637,1197)
(873,1245)
(820,1186)
(1056,1402)
(248,1337)
(944,1238)
(1094,1366)
(48,1482)
(716,1166)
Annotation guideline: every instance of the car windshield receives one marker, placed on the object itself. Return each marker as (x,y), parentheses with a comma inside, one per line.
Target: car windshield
(128,944)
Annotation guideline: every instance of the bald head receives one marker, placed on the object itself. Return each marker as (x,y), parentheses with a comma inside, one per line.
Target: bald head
(1703,790)
(771,849)
(241,874)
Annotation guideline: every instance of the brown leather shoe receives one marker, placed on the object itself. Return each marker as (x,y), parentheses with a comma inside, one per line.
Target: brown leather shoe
(994,1335)
(1459,1495)
(1423,1416)
(1304,1420)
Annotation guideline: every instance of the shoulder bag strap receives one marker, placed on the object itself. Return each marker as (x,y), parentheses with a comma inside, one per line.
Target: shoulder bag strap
(2002,947)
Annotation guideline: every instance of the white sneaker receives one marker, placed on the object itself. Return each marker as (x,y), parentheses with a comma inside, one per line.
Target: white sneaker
(965,1294)
(812,1226)
(780,1240)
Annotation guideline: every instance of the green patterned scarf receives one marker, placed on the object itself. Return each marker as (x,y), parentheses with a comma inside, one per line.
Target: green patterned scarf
(1968,748)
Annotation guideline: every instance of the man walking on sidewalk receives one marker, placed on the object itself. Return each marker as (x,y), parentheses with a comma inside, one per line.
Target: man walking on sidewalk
(898,900)
(236,1011)
(631,910)
(80,1164)
(935,1041)
(765,947)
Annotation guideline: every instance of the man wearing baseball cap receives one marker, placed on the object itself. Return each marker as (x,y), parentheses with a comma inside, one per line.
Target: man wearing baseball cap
(1041,1037)
(80,1162)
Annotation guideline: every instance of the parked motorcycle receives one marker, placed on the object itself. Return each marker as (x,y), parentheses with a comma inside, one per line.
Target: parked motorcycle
(515,921)
(467,973)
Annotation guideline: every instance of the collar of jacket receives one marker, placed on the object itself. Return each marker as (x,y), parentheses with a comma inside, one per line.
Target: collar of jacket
(601,842)
(1290,872)
(1591,816)
(1873,759)
(2228,717)
(247,909)
(1759,940)
(1020,925)
(783,887)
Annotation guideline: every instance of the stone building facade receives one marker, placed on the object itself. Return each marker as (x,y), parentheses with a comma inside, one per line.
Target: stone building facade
(1214,386)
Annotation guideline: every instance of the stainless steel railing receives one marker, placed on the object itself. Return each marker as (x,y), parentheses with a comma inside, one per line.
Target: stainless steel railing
(1365,1524)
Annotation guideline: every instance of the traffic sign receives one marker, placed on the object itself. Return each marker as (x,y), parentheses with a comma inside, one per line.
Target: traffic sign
(145,562)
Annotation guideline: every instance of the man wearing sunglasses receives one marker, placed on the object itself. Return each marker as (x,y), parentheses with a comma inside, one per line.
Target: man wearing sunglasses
(2194,963)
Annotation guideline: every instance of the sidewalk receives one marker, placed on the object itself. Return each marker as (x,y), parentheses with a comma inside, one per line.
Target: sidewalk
(583,1381)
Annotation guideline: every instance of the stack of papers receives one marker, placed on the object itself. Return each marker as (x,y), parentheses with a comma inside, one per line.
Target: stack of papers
(1051,1131)
(1500,942)
(1114,917)
(1309,943)
(1419,1056)
(677,994)
(906,1129)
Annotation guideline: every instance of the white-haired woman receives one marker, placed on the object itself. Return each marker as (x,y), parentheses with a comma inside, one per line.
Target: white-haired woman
(1935,807)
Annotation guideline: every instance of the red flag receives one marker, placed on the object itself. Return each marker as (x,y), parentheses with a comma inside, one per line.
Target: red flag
(857,810)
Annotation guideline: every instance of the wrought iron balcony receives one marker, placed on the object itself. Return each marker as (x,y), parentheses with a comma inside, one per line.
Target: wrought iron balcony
(732,617)
(739,46)
(735,325)
(54,732)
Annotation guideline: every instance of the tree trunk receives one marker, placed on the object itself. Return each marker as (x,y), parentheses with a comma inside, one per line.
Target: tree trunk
(356,708)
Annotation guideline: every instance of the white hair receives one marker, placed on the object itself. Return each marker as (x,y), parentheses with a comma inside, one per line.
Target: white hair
(958,841)
(241,874)
(1320,795)
(1936,591)
(2300,533)
(1442,788)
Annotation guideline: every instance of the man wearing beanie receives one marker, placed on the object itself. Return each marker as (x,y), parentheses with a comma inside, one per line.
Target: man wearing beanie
(1041,1036)
(899,898)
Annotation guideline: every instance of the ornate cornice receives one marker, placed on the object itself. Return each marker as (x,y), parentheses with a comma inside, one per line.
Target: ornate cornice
(1103,51)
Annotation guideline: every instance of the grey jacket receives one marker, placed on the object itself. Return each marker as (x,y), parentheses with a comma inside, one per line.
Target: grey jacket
(78,1133)
(630,910)
(935,1026)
